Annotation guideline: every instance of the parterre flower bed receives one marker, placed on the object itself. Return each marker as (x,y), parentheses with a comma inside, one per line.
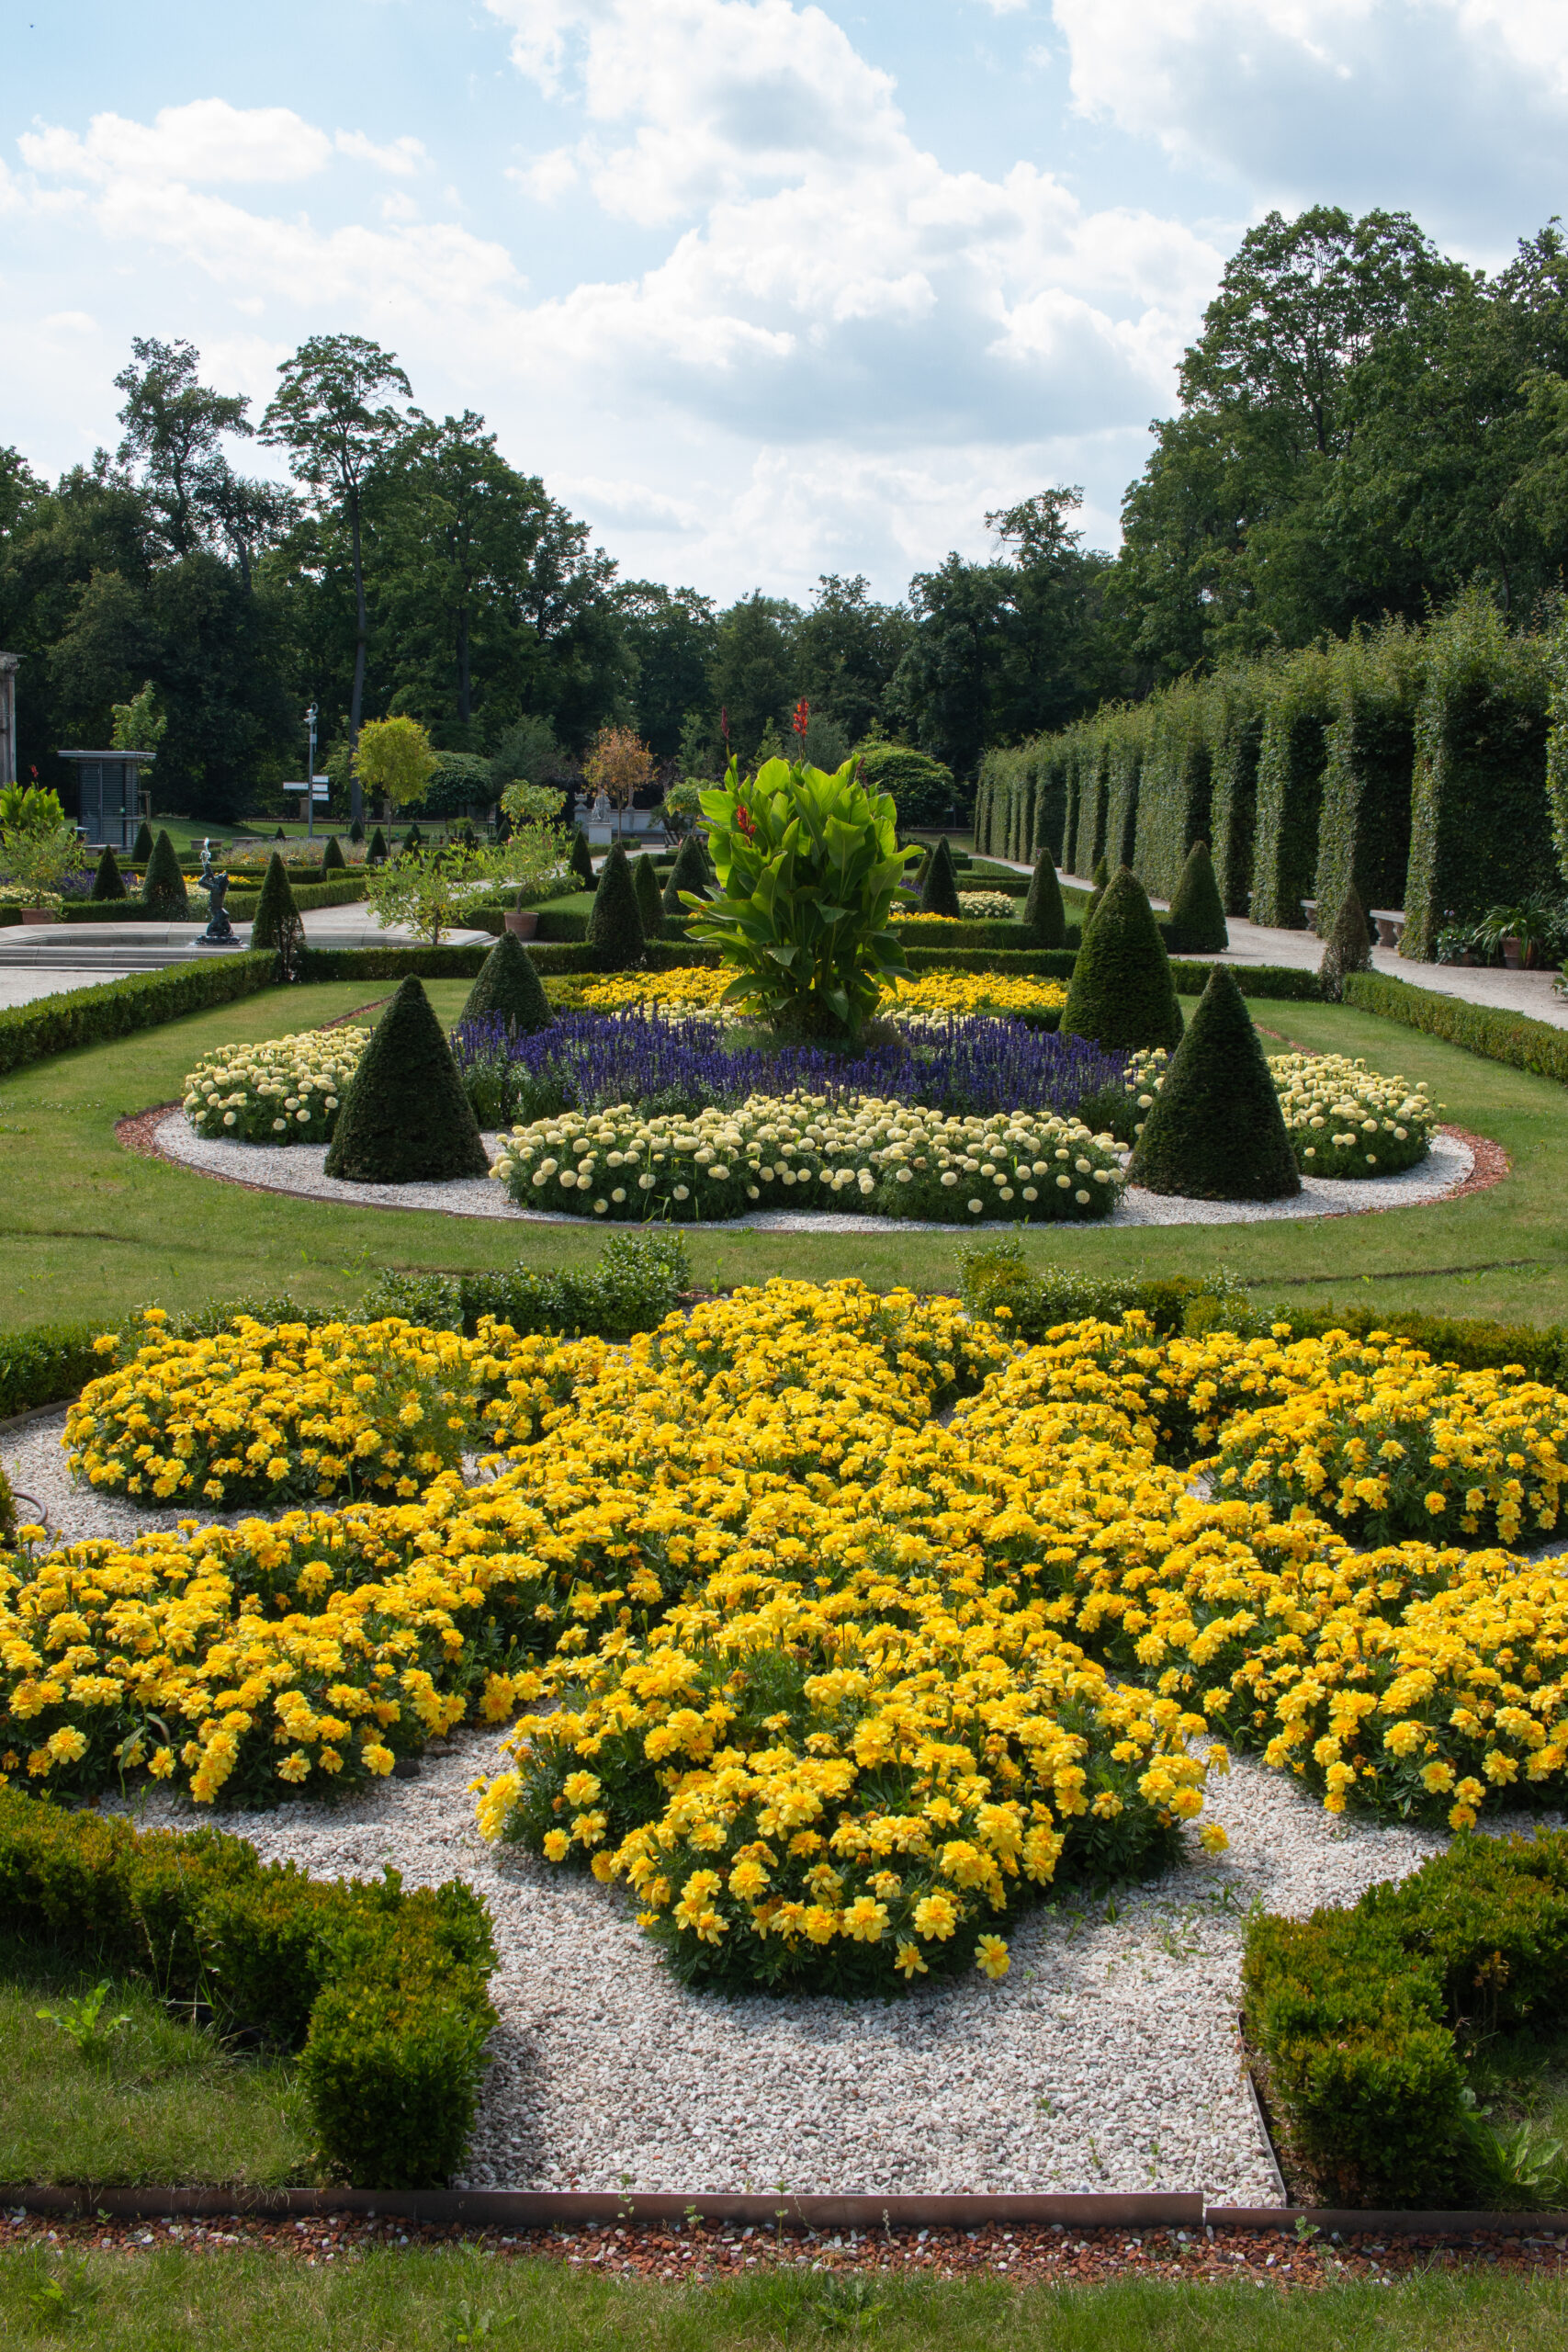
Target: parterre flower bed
(286,1091)
(932,992)
(811,1151)
(834,1683)
(1343,1119)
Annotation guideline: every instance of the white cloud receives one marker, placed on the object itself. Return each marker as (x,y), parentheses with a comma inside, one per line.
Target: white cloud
(402,156)
(549,177)
(205,141)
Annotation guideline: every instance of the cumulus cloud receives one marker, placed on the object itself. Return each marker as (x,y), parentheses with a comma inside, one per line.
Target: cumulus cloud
(204,142)
(402,156)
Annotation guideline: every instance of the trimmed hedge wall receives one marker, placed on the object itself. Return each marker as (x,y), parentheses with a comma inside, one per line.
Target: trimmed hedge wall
(1290,790)
(346,892)
(457,962)
(1364,830)
(1128,736)
(43,1363)
(1480,822)
(1178,791)
(382,1992)
(1235,740)
(57,1025)
(1510,1037)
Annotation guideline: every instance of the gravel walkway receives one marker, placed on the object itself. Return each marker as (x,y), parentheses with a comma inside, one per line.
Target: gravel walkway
(1106,2060)
(297,1168)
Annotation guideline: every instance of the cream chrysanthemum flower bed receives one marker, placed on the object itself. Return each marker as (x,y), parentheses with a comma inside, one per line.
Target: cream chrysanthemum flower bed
(1343,1119)
(808,1151)
(285,1091)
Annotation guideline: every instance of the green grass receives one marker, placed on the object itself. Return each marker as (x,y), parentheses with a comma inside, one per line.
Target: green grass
(160,2101)
(88,1230)
(416,2301)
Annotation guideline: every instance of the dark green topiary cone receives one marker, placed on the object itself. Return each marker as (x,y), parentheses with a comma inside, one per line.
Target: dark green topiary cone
(614,921)
(1122,994)
(376,853)
(107,882)
(1044,916)
(690,872)
(1197,921)
(333,858)
(1216,1132)
(141,855)
(405,1119)
(163,890)
(1349,948)
(580,857)
(275,926)
(1100,879)
(411,841)
(356,833)
(650,899)
(939,887)
(508,988)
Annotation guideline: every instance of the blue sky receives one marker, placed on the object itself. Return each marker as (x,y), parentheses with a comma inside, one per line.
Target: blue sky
(763,289)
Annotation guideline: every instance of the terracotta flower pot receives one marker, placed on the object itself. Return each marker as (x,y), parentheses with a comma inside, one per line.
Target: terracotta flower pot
(1514,954)
(40,914)
(522,922)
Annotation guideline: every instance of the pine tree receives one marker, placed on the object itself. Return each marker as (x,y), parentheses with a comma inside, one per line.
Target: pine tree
(580,857)
(406,1119)
(1215,1131)
(1122,994)
(650,899)
(939,891)
(141,855)
(1349,948)
(376,853)
(508,990)
(1101,882)
(1196,924)
(1044,916)
(163,888)
(691,872)
(107,882)
(333,858)
(276,925)
(614,921)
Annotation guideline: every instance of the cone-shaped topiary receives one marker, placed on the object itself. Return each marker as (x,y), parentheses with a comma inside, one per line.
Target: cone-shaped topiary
(356,831)
(276,924)
(615,919)
(939,885)
(1122,994)
(1215,1131)
(405,1119)
(1101,882)
(650,899)
(376,853)
(163,889)
(142,852)
(691,872)
(107,882)
(1349,947)
(411,841)
(1044,916)
(1197,921)
(508,988)
(580,857)
(333,858)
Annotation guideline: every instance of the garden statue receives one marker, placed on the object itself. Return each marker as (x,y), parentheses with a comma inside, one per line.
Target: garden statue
(219,932)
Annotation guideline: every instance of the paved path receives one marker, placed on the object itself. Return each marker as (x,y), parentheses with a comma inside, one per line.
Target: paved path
(45,959)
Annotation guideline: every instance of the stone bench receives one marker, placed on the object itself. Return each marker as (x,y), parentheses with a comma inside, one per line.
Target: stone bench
(1389,921)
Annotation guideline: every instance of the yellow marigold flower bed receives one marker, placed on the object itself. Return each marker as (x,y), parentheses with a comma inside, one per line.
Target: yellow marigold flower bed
(1343,1119)
(286,1091)
(801,1150)
(948,992)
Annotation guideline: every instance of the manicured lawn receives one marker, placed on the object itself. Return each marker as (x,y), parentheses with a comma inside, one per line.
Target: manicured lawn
(431,2301)
(89,1230)
(160,2101)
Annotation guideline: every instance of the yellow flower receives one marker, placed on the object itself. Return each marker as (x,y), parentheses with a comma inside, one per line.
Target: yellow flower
(992,1958)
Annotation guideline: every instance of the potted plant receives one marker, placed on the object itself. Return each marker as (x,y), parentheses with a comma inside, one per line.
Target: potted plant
(534,852)
(1526,936)
(40,853)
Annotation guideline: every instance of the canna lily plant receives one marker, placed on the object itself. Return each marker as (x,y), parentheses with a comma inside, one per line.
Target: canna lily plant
(809,867)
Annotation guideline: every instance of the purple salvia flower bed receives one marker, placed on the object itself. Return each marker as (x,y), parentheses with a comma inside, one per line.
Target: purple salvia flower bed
(584,1060)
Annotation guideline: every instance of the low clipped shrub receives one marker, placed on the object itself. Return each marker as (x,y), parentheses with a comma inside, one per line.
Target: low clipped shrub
(1512,1038)
(1215,1131)
(508,990)
(164,885)
(386,1990)
(406,1118)
(636,1280)
(1122,994)
(56,1024)
(1196,924)
(1365,2018)
(44,1363)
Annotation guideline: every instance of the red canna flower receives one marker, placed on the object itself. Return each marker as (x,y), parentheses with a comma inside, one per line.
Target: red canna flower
(802,720)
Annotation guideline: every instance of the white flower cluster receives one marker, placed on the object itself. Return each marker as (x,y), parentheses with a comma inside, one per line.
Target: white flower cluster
(1343,1119)
(811,1151)
(286,1091)
(988,906)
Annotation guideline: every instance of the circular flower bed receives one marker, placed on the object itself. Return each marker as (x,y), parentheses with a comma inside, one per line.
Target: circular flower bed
(811,1151)
(1343,1119)
(286,1091)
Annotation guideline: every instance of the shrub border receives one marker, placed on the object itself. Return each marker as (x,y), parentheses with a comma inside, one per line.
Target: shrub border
(58,1025)
(1516,1039)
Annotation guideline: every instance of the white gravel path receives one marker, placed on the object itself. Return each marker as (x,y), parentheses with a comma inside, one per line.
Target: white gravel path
(297,1168)
(1106,2060)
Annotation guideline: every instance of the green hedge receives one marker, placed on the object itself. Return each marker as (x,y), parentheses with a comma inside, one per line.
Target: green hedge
(637,1280)
(1236,739)
(1174,805)
(1290,789)
(43,1363)
(56,1024)
(1480,823)
(1364,829)
(382,1992)
(457,962)
(346,892)
(1510,1037)
(1128,737)
(1363,2016)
